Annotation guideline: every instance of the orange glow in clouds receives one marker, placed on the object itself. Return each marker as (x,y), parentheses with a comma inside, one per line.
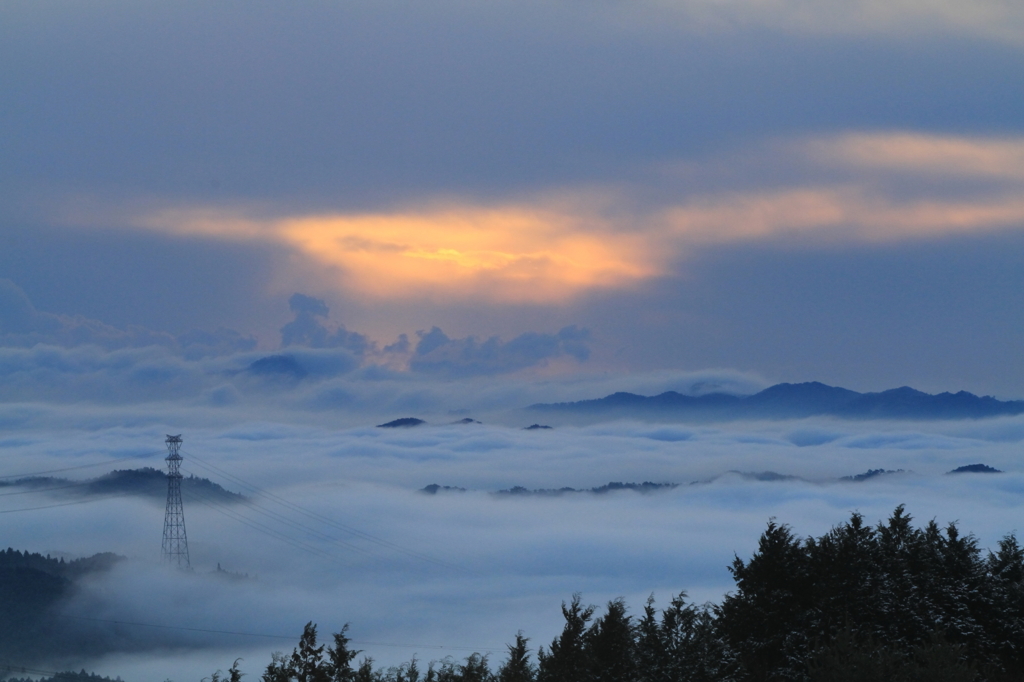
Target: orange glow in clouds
(550,253)
(512,254)
(501,254)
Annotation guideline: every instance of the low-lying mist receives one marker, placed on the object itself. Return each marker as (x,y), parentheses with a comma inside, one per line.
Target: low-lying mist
(337,530)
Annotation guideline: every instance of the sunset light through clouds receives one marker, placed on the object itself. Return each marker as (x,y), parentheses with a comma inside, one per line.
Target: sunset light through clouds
(552,252)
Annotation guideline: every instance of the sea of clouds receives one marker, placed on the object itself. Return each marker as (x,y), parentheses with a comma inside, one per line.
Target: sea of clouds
(338,530)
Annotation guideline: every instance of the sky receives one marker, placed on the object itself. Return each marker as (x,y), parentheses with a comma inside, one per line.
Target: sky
(810,192)
(457,209)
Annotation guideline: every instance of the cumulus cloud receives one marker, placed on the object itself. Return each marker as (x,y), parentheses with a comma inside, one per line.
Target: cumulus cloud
(42,354)
(368,387)
(308,330)
(436,353)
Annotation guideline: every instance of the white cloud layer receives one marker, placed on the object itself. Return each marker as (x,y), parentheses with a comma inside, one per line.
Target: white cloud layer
(493,564)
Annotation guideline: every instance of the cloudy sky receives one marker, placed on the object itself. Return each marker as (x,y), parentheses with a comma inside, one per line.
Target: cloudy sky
(450,208)
(825,191)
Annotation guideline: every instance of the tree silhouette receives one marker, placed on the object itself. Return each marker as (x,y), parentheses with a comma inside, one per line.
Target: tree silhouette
(567,660)
(517,668)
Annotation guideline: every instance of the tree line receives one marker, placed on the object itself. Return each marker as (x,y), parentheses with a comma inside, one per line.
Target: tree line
(885,603)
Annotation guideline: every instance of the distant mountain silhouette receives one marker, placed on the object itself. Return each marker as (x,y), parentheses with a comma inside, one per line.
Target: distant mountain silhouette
(790,401)
(402,423)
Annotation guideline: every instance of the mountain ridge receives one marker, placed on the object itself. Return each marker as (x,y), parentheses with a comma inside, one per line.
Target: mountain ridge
(793,401)
(143,482)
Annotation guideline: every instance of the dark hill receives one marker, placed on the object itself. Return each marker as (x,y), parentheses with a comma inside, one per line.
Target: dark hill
(31,588)
(403,423)
(790,401)
(975,469)
(146,482)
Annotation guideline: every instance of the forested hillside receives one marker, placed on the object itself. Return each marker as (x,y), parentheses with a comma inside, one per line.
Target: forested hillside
(31,587)
(886,603)
(144,482)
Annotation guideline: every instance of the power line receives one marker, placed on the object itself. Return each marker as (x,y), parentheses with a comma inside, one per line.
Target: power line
(179,627)
(249,504)
(6,667)
(269,636)
(66,504)
(46,490)
(256,507)
(256,525)
(323,519)
(197,496)
(82,466)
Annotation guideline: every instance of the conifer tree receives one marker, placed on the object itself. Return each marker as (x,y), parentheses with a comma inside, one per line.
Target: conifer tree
(278,670)
(339,658)
(609,645)
(475,669)
(365,671)
(567,660)
(766,620)
(1005,569)
(517,668)
(307,664)
(234,674)
(651,651)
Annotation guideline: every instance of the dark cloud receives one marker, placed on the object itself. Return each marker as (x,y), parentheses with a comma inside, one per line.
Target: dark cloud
(938,317)
(300,304)
(367,100)
(436,353)
(199,343)
(400,347)
(135,277)
(307,329)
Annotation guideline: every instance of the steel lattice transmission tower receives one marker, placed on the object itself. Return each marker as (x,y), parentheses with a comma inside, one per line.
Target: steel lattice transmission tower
(175,545)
